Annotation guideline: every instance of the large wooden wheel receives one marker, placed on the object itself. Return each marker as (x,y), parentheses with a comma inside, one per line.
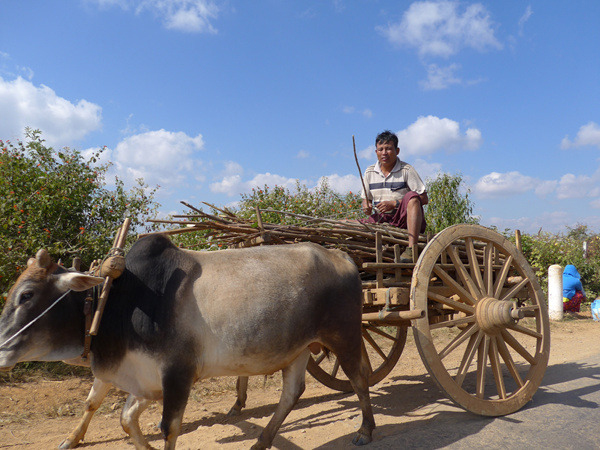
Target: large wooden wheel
(485,337)
(383,346)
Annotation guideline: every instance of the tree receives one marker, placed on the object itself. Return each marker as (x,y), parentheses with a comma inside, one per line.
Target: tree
(58,200)
(447,204)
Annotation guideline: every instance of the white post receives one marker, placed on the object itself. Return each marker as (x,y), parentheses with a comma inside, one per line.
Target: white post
(555,291)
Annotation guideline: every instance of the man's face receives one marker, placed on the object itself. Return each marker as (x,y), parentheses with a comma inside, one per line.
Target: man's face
(386,153)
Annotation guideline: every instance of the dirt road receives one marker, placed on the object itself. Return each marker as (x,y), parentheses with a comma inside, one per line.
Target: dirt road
(40,414)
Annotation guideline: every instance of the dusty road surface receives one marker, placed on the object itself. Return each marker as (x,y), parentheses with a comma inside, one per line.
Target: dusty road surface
(39,414)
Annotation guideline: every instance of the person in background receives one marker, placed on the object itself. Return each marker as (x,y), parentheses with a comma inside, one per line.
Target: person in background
(396,190)
(573,293)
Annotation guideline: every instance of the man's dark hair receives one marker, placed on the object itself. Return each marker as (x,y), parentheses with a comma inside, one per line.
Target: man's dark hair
(387,136)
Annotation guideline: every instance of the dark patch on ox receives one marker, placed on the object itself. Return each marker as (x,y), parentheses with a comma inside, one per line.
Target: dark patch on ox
(140,312)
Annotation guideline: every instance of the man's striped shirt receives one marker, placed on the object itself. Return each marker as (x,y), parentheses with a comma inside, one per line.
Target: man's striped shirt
(401,179)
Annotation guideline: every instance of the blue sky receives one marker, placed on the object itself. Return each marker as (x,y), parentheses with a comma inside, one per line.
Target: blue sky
(210,98)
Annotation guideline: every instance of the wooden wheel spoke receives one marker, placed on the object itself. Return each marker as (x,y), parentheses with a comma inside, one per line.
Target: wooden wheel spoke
(474,265)
(380,333)
(497,368)
(459,339)
(502,276)
(510,364)
(453,322)
(320,358)
(451,303)
(489,269)
(462,273)
(516,288)
(510,340)
(336,367)
(524,330)
(367,337)
(468,357)
(458,289)
(482,354)
(366,356)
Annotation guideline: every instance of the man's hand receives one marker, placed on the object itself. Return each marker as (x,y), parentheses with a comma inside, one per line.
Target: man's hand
(387,206)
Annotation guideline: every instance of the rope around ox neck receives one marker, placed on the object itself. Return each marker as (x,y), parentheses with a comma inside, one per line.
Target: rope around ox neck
(34,320)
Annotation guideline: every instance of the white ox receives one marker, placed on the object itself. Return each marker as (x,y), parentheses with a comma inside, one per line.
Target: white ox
(177,316)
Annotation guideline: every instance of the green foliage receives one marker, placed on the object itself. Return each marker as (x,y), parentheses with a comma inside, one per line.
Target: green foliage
(58,200)
(545,249)
(321,202)
(447,205)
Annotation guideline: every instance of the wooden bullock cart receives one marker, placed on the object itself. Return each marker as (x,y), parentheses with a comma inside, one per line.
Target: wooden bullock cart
(477,311)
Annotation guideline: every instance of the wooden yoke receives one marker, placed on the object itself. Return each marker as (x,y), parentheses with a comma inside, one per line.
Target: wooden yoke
(111,270)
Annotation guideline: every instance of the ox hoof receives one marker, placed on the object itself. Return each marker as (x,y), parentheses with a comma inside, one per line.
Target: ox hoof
(234,412)
(361,439)
(66,444)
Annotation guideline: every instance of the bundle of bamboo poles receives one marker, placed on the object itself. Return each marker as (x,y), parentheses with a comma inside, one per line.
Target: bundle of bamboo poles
(355,238)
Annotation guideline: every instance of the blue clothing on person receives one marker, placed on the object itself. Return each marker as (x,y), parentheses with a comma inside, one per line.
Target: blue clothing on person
(571,282)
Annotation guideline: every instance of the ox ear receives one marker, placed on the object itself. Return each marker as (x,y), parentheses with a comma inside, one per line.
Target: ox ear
(77,281)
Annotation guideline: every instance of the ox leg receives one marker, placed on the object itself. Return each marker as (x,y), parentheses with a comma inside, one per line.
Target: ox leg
(293,387)
(93,402)
(356,368)
(130,420)
(242,394)
(177,384)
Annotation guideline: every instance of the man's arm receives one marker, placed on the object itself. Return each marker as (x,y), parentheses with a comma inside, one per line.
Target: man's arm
(424,198)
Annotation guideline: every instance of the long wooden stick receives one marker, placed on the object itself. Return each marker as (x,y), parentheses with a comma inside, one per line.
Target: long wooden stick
(118,244)
(360,171)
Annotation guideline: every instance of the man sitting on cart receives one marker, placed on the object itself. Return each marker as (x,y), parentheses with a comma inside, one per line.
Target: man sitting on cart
(396,191)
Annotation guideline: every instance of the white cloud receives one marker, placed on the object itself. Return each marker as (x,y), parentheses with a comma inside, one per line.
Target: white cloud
(504,184)
(588,135)
(545,188)
(554,221)
(440,77)
(367,153)
(163,157)
(22,104)
(569,186)
(302,154)
(232,182)
(425,169)
(576,186)
(524,18)
(429,134)
(351,110)
(342,183)
(438,28)
(194,16)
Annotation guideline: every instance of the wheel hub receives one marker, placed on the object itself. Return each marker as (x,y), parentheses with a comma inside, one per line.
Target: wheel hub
(494,315)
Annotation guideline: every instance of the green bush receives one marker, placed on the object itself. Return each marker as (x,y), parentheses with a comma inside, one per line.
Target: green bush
(545,249)
(447,205)
(322,202)
(57,199)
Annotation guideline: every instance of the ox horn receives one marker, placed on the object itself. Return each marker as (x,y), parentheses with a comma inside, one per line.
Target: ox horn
(43,258)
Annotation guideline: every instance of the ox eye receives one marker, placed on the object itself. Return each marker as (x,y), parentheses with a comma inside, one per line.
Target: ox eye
(25,295)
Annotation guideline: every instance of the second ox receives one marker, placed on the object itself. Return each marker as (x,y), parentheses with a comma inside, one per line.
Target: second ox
(176,316)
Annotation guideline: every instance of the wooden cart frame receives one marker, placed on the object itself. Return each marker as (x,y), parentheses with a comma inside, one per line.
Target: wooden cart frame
(478,315)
